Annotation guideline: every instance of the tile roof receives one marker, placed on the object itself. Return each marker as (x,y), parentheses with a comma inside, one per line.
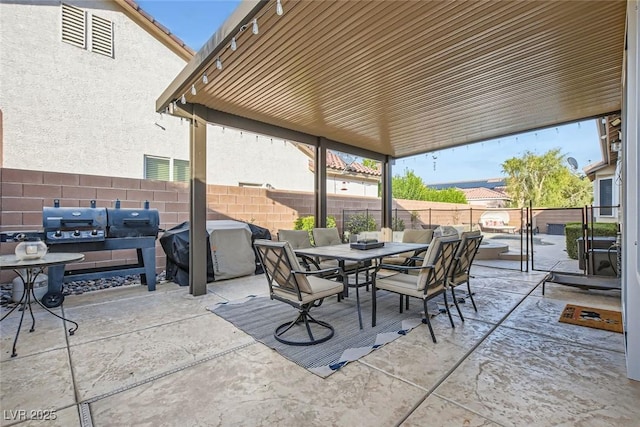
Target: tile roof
(335,162)
(483,194)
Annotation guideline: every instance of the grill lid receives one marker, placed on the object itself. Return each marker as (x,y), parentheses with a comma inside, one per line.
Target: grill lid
(132,222)
(62,225)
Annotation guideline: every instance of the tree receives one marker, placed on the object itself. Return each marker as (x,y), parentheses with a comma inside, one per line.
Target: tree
(411,187)
(545,180)
(408,187)
(372,164)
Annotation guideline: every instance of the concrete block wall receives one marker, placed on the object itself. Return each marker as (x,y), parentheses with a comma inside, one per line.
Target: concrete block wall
(25,192)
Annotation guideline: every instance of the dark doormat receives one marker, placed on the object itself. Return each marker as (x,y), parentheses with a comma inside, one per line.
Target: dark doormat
(592,317)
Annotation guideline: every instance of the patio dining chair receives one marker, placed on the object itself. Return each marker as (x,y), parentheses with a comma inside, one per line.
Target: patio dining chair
(410,236)
(302,289)
(331,236)
(428,284)
(462,262)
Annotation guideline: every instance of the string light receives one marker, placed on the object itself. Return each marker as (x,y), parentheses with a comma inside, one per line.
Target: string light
(233,46)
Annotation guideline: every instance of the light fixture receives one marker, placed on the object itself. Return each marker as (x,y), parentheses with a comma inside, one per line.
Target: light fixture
(616,146)
(218,63)
(254,30)
(615,122)
(344,186)
(193,89)
(183,99)
(234,45)
(279,10)
(205,79)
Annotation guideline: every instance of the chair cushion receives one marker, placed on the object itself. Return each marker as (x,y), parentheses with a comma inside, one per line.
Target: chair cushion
(405,284)
(429,259)
(326,236)
(417,236)
(459,279)
(299,239)
(319,287)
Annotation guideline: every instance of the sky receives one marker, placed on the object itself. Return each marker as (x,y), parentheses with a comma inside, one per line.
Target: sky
(196,21)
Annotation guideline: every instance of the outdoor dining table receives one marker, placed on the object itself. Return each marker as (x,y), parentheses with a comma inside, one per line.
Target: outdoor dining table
(28,271)
(345,252)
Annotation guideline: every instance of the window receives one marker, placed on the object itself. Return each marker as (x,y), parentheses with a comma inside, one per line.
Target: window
(101,36)
(156,168)
(606,197)
(181,170)
(74,25)
(163,169)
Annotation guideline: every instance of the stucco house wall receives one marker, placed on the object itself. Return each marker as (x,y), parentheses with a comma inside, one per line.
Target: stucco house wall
(68,109)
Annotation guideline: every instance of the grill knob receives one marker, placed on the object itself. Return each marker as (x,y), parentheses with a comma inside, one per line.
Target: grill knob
(76,233)
(58,233)
(94,232)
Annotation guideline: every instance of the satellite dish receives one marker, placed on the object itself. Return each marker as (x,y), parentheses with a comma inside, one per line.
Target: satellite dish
(573,163)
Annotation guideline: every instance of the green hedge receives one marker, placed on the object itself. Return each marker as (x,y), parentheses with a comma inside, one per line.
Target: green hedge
(573,231)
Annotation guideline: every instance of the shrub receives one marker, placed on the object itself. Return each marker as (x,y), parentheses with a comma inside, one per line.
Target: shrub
(573,231)
(358,223)
(397,224)
(309,222)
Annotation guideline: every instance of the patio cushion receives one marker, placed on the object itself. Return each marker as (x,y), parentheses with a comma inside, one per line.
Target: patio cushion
(298,239)
(319,287)
(326,236)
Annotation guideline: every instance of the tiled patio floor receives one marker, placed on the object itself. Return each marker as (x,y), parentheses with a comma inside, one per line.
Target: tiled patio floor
(160,358)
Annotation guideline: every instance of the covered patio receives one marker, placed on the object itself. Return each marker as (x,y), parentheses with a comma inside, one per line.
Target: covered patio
(386,80)
(381,80)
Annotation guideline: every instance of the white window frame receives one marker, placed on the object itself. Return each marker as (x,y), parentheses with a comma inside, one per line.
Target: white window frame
(612,209)
(172,168)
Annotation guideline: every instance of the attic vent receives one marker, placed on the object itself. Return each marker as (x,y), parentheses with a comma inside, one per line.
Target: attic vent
(73,25)
(101,36)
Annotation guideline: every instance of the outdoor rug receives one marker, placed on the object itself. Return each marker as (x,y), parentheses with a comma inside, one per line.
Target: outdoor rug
(592,317)
(259,316)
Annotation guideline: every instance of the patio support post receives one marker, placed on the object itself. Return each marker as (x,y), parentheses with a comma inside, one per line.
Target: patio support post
(198,198)
(321,184)
(631,205)
(387,197)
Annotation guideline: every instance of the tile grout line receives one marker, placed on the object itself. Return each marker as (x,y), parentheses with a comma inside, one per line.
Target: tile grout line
(453,402)
(464,357)
(166,373)
(71,370)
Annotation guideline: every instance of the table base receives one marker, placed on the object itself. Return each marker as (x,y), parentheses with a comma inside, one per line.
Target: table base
(27,295)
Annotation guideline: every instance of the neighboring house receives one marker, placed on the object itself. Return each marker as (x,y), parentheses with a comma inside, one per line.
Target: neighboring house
(79,85)
(497,184)
(486,197)
(490,193)
(607,185)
